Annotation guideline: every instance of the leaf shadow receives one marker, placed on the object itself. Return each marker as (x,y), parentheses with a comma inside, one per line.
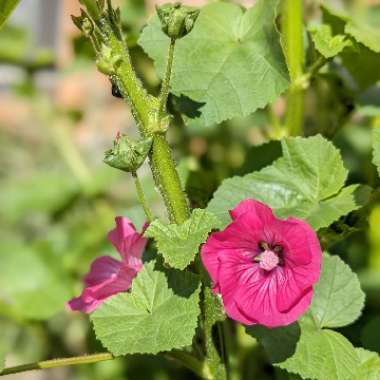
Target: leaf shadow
(279,343)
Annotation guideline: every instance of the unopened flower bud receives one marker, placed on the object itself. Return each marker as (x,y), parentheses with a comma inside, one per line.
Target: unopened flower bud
(176,19)
(127,155)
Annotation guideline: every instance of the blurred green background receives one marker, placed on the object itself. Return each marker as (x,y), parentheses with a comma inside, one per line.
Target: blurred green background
(58,200)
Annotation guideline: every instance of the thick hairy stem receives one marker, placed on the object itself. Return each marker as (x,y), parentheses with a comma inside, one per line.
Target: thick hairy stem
(144,108)
(46,364)
(292,28)
(129,85)
(167,180)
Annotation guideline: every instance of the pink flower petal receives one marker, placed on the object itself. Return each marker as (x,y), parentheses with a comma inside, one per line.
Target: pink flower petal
(257,209)
(106,278)
(263,267)
(128,242)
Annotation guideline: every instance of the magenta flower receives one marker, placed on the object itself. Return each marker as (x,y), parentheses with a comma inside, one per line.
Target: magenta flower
(108,276)
(263,267)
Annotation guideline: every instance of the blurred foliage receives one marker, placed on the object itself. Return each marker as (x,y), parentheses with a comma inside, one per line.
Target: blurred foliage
(58,201)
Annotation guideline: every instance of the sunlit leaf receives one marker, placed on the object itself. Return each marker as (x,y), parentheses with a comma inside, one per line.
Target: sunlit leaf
(231,61)
(179,244)
(159,314)
(338,299)
(307,182)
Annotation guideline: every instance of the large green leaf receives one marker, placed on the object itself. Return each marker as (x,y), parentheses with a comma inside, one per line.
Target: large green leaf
(369,368)
(305,348)
(327,44)
(376,148)
(179,244)
(307,182)
(6,8)
(31,282)
(322,354)
(231,61)
(338,299)
(159,314)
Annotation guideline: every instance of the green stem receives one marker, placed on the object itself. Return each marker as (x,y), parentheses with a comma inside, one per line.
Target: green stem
(200,368)
(143,108)
(142,198)
(167,179)
(129,85)
(292,29)
(46,364)
(164,93)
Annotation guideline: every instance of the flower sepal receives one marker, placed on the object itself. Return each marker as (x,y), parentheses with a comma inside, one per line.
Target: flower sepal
(126,154)
(176,19)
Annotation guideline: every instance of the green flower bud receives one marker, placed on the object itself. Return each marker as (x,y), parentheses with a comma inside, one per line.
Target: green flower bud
(127,155)
(177,20)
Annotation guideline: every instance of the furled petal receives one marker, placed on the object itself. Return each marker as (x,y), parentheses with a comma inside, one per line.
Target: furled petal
(128,242)
(107,277)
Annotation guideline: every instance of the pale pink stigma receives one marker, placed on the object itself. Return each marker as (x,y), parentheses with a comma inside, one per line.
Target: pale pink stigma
(268,260)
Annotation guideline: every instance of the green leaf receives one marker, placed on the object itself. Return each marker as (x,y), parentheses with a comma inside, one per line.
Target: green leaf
(307,182)
(364,34)
(369,368)
(31,282)
(338,299)
(232,60)
(279,343)
(6,8)
(159,314)
(306,350)
(376,148)
(322,354)
(179,244)
(365,48)
(327,44)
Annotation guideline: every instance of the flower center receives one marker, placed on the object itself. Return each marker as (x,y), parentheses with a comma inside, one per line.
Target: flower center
(268,260)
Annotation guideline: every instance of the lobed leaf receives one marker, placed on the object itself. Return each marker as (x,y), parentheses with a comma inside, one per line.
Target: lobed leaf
(321,355)
(338,299)
(159,314)
(232,60)
(307,182)
(305,348)
(179,244)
